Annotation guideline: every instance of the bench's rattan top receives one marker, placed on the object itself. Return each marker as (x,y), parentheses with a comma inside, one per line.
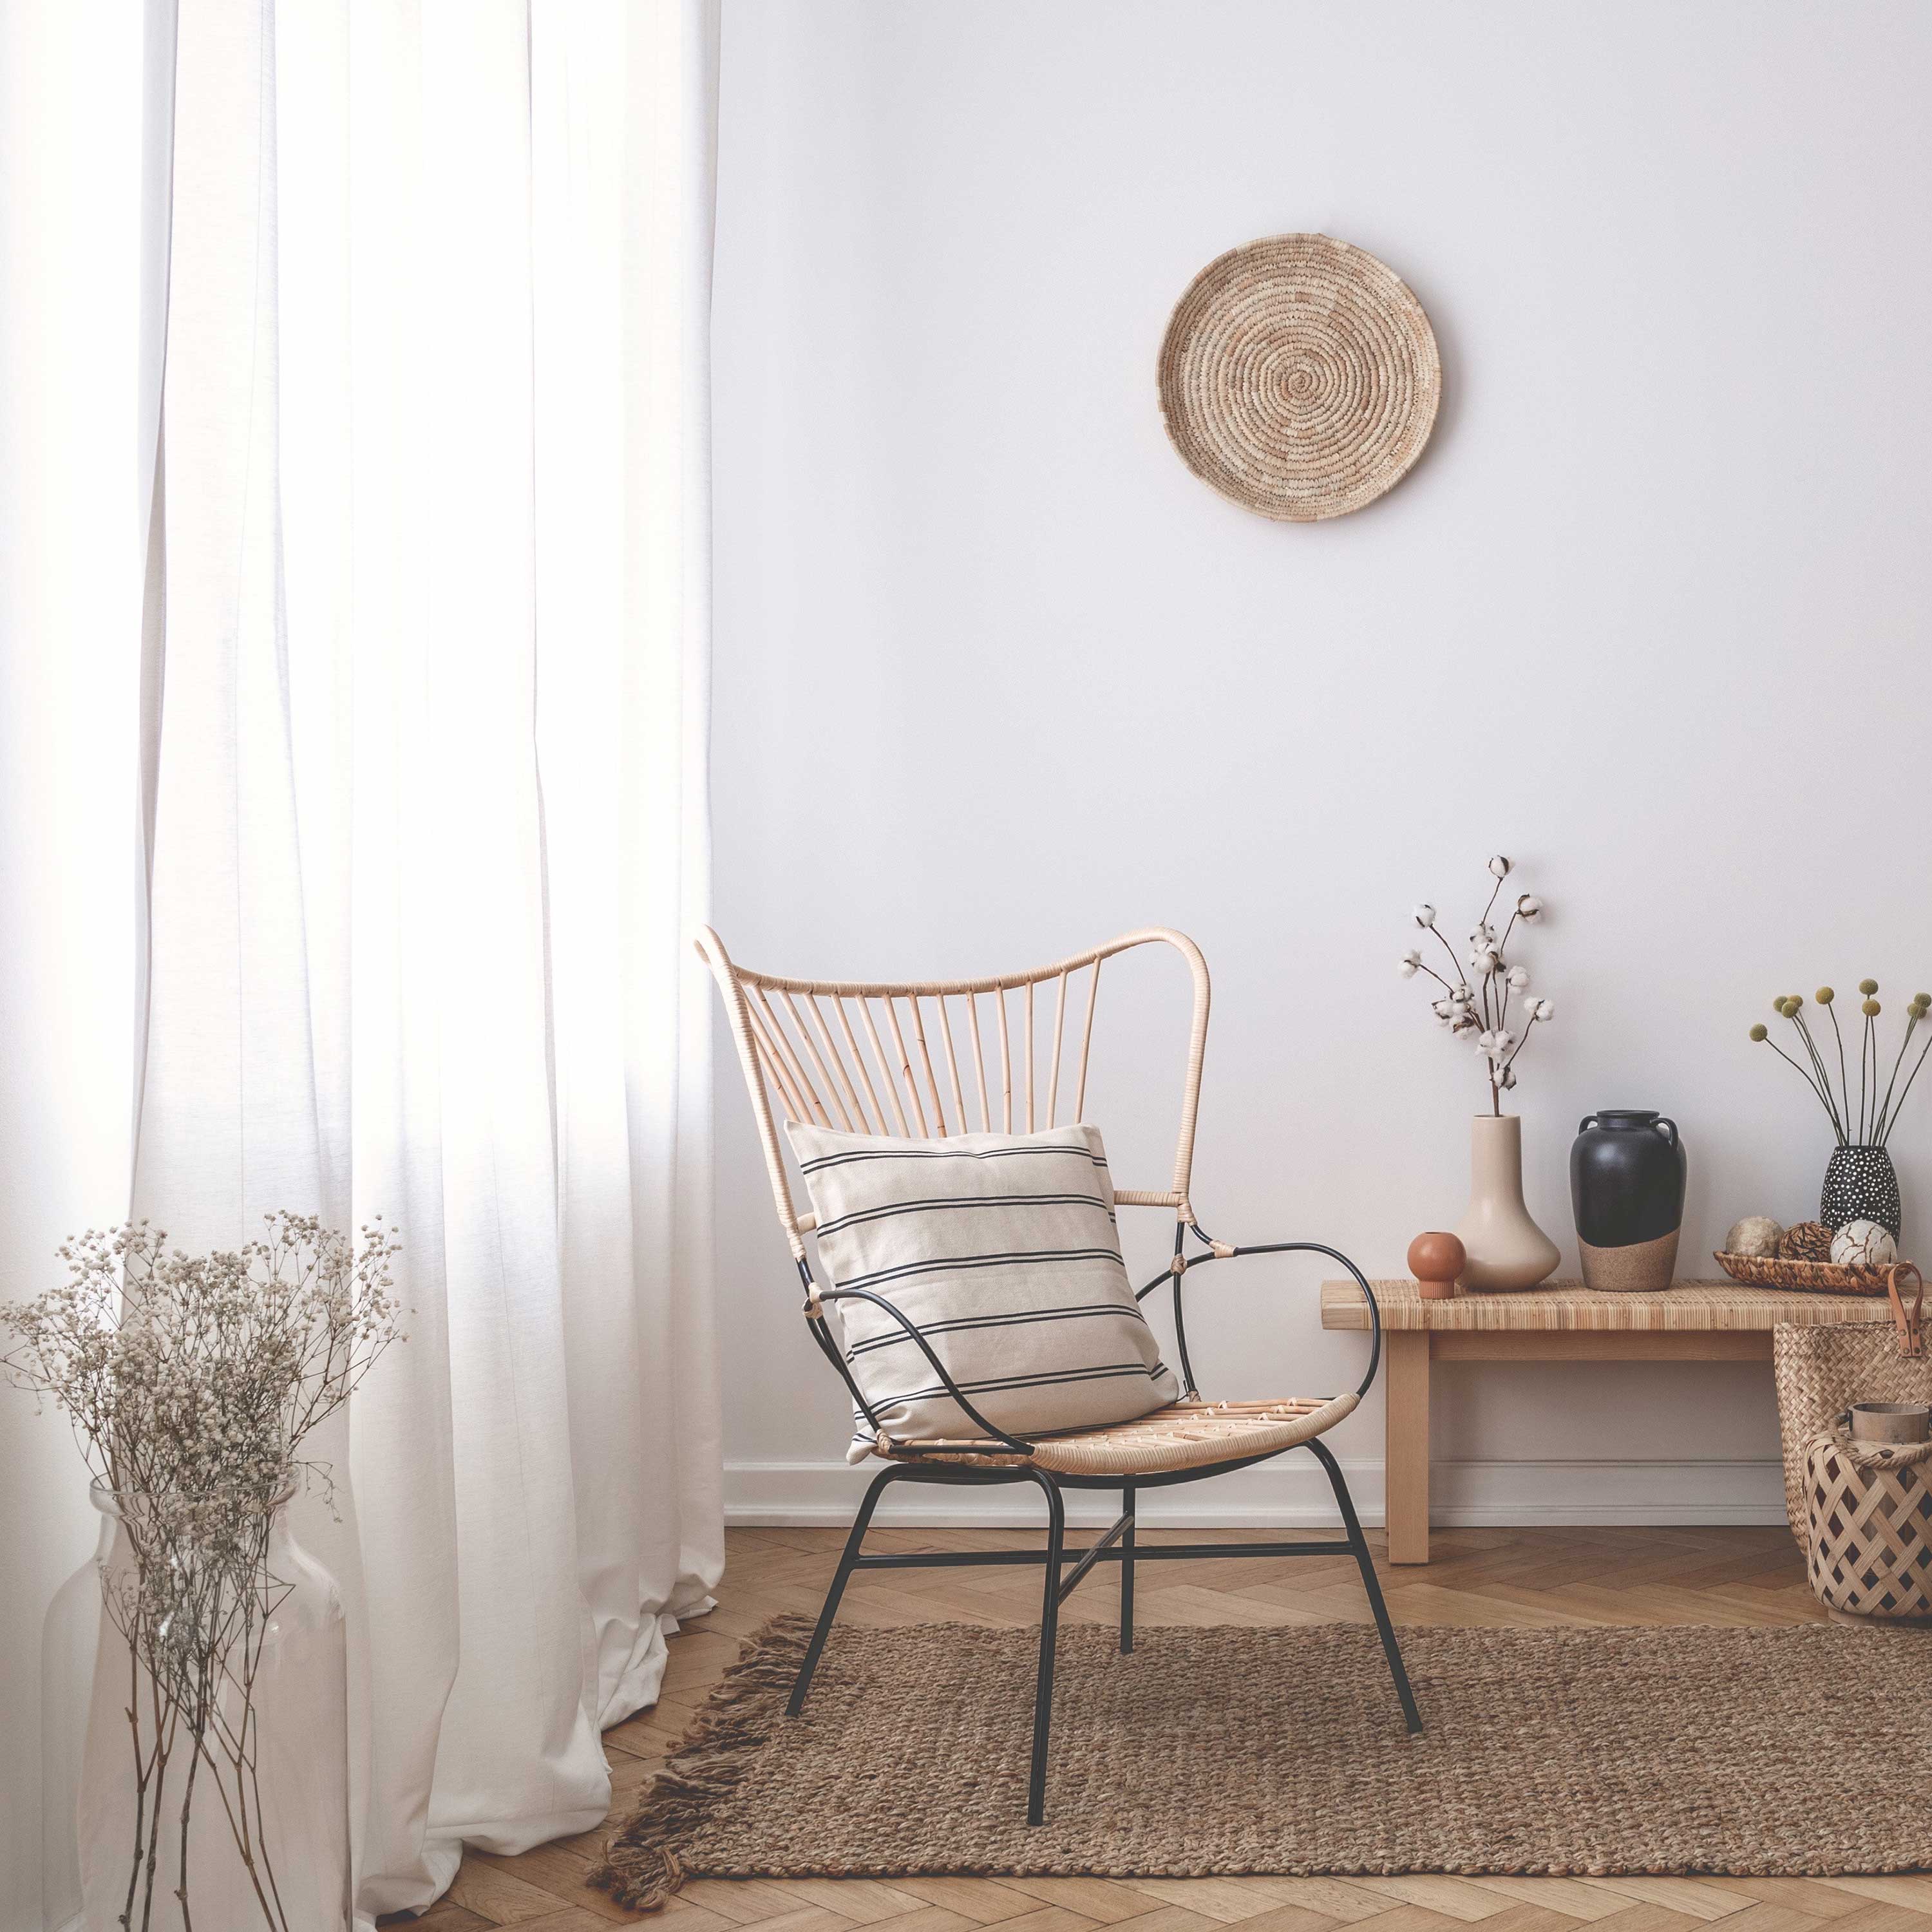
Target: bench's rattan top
(1690,1307)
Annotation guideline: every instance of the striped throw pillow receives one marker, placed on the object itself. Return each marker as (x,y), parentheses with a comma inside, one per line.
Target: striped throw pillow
(1001,1249)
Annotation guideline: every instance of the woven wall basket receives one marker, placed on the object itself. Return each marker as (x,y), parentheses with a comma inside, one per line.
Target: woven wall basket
(1299,377)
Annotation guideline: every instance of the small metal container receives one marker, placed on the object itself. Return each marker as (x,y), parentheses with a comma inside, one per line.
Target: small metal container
(1892,1421)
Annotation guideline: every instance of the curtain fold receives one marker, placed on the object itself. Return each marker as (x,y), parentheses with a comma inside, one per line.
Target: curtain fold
(426,688)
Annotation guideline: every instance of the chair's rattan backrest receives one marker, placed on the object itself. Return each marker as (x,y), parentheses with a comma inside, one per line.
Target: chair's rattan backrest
(871,1059)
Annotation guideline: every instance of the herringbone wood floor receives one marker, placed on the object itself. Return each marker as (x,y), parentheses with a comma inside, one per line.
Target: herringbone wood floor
(1478,1576)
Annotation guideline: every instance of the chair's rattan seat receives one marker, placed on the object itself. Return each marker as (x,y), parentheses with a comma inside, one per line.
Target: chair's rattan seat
(1183,1436)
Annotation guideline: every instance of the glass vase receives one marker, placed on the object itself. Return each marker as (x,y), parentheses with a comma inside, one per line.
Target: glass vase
(232,1765)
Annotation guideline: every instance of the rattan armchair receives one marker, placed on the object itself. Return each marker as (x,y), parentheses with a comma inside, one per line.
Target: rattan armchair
(818,1049)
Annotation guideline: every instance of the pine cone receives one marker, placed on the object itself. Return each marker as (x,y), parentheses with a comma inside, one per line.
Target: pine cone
(1808,1241)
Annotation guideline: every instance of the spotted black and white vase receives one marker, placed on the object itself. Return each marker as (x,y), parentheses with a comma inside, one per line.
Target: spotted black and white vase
(1860,1184)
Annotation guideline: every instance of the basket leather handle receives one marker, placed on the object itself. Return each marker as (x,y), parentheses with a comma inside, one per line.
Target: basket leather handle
(1911,1334)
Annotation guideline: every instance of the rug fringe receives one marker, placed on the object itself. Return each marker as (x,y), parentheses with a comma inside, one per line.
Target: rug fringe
(641,1868)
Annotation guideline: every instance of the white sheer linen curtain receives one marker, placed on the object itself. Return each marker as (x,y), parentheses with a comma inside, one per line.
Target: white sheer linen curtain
(425,709)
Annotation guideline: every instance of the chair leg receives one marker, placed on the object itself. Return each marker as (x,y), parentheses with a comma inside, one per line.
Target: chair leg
(1127,1570)
(1359,1543)
(1049,1625)
(803,1682)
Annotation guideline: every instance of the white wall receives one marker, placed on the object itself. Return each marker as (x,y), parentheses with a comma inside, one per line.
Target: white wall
(996,677)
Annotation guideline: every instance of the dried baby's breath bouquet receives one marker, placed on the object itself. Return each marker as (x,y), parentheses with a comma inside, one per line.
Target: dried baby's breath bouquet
(192,1382)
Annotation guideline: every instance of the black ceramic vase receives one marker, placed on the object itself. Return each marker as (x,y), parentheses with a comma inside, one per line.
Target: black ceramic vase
(1860,1184)
(1627,1171)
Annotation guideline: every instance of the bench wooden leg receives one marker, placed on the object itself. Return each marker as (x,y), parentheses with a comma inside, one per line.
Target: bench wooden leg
(1405,1454)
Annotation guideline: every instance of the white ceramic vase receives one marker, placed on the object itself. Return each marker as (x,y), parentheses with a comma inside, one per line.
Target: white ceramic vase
(1507,1249)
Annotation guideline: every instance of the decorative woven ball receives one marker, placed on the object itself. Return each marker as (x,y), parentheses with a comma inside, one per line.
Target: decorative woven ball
(1864,1244)
(1808,1241)
(1755,1234)
(1299,377)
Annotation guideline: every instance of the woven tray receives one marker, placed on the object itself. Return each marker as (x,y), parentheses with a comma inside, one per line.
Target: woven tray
(1805,1277)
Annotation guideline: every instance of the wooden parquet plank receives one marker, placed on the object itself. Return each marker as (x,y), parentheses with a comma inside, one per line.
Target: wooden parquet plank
(1766,1917)
(1914,1894)
(1695,1898)
(1530,1918)
(499,1898)
(1590,1575)
(1411,1919)
(1810,1896)
(1290,1918)
(927,1918)
(865,1901)
(1107,1901)
(1569,1896)
(985,1901)
(745,1901)
(1649,1918)
(1225,1900)
(1455,1897)
(445,1915)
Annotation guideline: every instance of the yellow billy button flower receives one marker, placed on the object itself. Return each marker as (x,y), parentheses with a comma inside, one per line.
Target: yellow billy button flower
(1760,1031)
(1870,1010)
(1867,987)
(1824,996)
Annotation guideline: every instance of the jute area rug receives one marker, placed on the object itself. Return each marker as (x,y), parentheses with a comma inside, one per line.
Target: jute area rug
(1798,1751)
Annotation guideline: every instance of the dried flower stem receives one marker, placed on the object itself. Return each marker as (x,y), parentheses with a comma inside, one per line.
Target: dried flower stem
(1892,1118)
(1823,1082)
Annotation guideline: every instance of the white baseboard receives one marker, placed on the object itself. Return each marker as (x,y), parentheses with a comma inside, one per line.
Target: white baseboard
(1293,1495)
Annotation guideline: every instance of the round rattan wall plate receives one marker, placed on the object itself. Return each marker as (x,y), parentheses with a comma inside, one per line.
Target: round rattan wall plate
(1299,377)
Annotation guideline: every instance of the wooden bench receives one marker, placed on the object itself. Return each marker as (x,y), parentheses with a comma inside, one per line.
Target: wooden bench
(1561,1322)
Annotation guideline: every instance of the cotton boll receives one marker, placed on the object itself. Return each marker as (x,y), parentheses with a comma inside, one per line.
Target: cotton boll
(1425,915)
(1519,977)
(1864,1244)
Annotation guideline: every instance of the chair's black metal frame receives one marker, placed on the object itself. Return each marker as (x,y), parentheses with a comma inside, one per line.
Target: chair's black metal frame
(1117,1544)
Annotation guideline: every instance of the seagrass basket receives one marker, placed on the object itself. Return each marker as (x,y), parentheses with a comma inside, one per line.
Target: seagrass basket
(1821,1371)
(1869,1511)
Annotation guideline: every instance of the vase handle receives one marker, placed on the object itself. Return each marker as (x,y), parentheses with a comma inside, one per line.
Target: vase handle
(1667,1128)
(1589,1121)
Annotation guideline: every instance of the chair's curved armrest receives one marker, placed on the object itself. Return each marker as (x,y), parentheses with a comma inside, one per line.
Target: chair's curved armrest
(816,1294)
(1183,1265)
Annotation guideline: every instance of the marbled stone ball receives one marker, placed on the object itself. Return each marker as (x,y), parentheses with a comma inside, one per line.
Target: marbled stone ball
(1755,1234)
(1807,1241)
(1864,1244)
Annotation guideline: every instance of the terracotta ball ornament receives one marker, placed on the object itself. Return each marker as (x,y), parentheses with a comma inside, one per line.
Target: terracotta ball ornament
(1435,1260)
